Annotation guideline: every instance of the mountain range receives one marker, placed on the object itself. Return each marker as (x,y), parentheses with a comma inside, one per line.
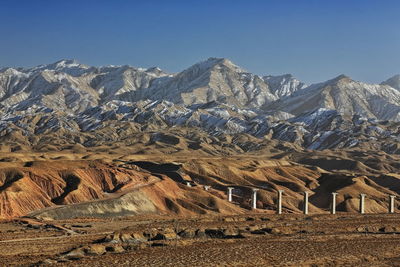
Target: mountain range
(213,107)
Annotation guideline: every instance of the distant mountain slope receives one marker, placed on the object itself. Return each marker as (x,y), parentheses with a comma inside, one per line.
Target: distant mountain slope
(73,86)
(212,80)
(283,85)
(346,96)
(68,103)
(393,82)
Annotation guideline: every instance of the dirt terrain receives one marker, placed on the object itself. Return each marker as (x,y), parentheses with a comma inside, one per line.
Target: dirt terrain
(240,240)
(65,186)
(102,209)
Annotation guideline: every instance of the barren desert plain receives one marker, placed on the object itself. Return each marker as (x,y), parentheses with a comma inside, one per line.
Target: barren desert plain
(94,208)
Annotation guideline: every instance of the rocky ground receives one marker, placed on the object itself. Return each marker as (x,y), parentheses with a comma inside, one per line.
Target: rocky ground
(103,209)
(253,239)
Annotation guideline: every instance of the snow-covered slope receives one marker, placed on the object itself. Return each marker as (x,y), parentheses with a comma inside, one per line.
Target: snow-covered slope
(283,85)
(393,82)
(215,79)
(346,96)
(70,103)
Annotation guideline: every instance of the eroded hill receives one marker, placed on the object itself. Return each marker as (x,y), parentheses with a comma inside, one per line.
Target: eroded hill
(117,185)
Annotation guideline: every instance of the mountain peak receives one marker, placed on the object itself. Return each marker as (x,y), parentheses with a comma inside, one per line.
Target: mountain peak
(215,61)
(212,63)
(61,65)
(337,79)
(155,70)
(393,82)
(218,60)
(67,62)
(341,77)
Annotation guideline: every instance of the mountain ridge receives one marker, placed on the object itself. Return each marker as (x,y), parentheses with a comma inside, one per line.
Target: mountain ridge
(87,105)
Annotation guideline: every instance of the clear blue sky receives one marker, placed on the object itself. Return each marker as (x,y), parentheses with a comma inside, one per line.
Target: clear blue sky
(314,40)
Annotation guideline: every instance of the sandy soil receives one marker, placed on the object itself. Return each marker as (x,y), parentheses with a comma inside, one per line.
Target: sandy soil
(242,240)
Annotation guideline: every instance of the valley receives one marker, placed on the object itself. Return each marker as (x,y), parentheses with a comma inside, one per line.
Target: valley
(131,166)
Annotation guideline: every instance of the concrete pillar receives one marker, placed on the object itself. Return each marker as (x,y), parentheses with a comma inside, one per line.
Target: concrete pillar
(207,187)
(230,194)
(333,208)
(362,203)
(280,192)
(391,203)
(254,200)
(305,203)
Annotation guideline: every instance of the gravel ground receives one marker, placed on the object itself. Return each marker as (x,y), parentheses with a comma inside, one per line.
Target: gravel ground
(319,240)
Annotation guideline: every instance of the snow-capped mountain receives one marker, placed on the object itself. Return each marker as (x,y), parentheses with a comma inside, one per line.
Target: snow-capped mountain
(393,82)
(71,103)
(283,85)
(215,79)
(74,87)
(345,95)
